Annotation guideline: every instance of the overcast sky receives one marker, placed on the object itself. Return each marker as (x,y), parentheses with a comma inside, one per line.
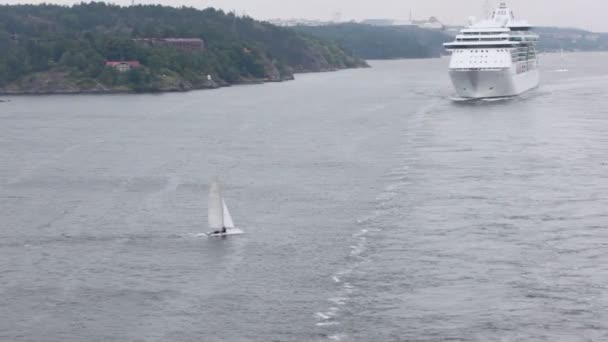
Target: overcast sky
(588,14)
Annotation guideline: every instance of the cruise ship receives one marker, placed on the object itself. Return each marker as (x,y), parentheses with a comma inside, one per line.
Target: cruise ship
(495,57)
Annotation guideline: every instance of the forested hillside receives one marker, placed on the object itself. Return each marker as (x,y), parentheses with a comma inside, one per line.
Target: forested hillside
(50,48)
(569,39)
(382,42)
(389,42)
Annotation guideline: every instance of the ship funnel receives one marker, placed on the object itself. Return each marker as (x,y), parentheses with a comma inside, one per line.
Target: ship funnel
(503,15)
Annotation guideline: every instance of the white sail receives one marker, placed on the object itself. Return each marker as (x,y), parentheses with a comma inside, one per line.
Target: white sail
(216,207)
(227,218)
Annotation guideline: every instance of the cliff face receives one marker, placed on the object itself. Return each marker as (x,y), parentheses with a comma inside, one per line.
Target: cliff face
(53,49)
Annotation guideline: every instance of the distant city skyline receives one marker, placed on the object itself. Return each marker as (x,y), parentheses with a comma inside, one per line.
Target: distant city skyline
(586,14)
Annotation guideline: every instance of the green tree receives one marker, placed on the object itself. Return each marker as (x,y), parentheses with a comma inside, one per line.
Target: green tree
(108,76)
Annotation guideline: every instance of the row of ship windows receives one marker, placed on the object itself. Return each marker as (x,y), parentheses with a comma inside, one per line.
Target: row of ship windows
(513,55)
(482,51)
(480,62)
(500,39)
(512,33)
(494,61)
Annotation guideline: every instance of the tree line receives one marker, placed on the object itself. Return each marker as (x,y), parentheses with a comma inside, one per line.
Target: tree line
(78,39)
(382,42)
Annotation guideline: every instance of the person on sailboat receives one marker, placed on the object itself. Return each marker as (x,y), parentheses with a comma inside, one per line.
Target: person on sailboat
(221,231)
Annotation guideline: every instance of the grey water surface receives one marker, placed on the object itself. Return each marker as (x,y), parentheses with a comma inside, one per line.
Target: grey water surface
(376,209)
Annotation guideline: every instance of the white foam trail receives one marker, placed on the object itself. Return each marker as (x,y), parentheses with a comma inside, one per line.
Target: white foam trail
(338,337)
(393,188)
(336,279)
(333,310)
(390,189)
(363,232)
(398,171)
(338,300)
(386,206)
(387,196)
(345,272)
(371,217)
(323,316)
(367,219)
(356,250)
(327,324)
(397,176)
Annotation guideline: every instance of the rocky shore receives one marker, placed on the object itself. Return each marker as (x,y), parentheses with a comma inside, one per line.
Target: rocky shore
(61,82)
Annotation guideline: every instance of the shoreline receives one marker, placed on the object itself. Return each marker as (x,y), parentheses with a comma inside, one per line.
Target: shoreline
(244,82)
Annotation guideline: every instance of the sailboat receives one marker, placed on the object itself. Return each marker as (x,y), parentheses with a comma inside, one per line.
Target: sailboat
(219,215)
(562,62)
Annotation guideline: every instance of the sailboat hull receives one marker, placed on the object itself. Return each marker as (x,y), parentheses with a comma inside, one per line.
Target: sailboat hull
(229,232)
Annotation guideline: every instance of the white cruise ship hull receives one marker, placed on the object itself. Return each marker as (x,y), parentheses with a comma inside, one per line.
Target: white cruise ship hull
(488,83)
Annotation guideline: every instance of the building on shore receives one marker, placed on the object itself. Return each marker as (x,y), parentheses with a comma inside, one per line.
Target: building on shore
(123,66)
(300,22)
(432,23)
(379,22)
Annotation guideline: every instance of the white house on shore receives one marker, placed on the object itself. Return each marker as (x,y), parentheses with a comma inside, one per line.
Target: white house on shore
(123,66)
